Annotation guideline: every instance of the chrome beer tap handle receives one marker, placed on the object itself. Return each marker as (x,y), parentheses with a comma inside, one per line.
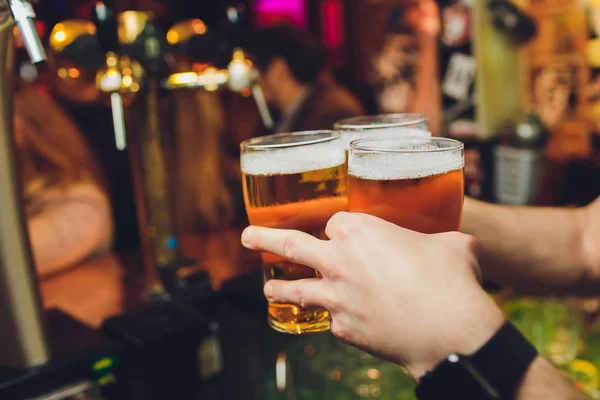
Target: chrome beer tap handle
(23,343)
(109,79)
(24,17)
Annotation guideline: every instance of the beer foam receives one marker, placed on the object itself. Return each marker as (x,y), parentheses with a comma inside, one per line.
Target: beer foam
(393,166)
(348,136)
(293,160)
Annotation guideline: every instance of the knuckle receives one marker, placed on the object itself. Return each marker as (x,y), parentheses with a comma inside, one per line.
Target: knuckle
(335,221)
(289,247)
(471,243)
(469,246)
(351,227)
(462,241)
(298,296)
(339,330)
(339,216)
(464,247)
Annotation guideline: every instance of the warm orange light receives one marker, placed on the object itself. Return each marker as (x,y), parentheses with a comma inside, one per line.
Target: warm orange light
(183,30)
(199,27)
(111,60)
(238,55)
(127,81)
(131,24)
(373,373)
(172,37)
(183,78)
(65,32)
(74,73)
(60,36)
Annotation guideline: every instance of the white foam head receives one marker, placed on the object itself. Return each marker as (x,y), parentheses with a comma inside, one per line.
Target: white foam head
(419,161)
(293,160)
(394,132)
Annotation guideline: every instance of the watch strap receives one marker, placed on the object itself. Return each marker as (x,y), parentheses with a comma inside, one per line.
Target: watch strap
(492,372)
(504,359)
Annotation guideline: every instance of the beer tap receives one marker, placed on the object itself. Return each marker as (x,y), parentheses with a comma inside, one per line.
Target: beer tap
(23,341)
(24,18)
(132,63)
(110,78)
(197,41)
(75,41)
(142,41)
(194,48)
(80,65)
(242,75)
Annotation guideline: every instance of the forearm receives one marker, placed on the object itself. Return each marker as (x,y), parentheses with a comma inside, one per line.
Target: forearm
(536,250)
(544,381)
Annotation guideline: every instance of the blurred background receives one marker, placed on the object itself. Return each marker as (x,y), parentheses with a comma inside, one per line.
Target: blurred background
(139,113)
(476,81)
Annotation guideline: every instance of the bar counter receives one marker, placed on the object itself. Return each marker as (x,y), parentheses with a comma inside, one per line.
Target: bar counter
(254,356)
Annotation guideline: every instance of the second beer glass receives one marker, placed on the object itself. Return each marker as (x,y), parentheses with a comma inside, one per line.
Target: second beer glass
(413,182)
(294,181)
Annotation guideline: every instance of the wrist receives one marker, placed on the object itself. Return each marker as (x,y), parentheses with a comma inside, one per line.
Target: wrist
(494,371)
(465,337)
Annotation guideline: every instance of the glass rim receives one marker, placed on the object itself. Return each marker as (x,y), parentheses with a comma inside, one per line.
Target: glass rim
(255,142)
(361,145)
(365,122)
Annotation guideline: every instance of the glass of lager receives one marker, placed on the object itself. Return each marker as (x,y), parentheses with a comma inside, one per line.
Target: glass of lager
(294,181)
(393,125)
(413,182)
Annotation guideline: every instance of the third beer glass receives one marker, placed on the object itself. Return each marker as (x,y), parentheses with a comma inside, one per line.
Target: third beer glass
(294,181)
(389,125)
(413,182)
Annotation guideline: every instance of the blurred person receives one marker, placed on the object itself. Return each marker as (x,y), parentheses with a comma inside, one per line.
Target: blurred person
(66,197)
(295,82)
(414,299)
(209,195)
(405,69)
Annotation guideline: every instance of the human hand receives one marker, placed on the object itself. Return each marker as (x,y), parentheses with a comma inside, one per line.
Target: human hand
(404,296)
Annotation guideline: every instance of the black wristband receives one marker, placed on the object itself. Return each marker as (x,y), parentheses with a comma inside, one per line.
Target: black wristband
(504,359)
(492,372)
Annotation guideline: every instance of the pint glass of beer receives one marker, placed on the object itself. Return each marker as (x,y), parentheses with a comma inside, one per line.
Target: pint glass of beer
(294,181)
(392,125)
(413,182)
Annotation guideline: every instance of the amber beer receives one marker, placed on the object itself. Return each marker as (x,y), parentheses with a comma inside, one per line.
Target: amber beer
(412,182)
(294,181)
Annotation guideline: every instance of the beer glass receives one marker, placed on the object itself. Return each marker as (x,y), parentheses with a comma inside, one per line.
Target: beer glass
(392,125)
(413,182)
(294,181)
